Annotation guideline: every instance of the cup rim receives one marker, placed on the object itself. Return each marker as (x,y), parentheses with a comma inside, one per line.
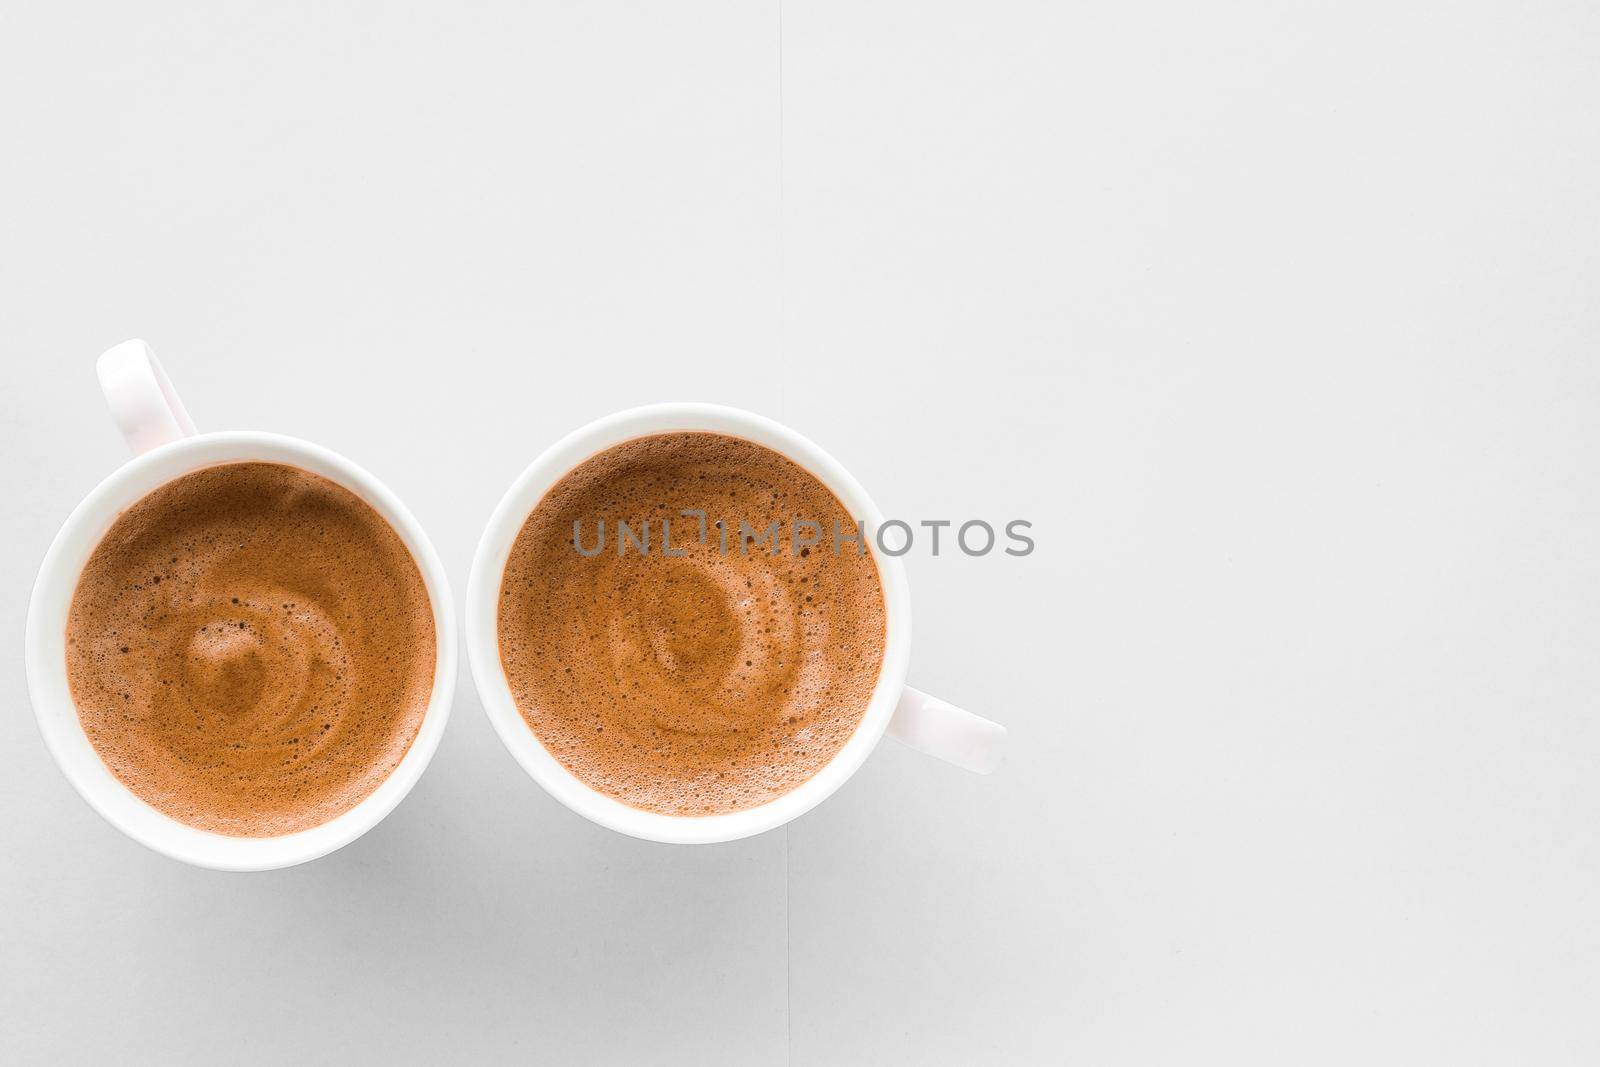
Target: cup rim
(482,623)
(57,715)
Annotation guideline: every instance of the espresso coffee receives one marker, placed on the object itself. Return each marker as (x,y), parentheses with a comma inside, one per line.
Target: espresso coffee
(251,649)
(700,683)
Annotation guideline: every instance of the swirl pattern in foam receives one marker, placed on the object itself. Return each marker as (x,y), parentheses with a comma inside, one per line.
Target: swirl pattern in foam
(251,649)
(699,684)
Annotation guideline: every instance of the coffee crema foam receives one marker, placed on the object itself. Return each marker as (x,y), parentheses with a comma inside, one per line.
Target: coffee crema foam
(697,685)
(251,649)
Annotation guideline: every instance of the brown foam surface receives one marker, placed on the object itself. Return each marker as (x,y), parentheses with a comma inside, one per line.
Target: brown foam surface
(699,685)
(251,649)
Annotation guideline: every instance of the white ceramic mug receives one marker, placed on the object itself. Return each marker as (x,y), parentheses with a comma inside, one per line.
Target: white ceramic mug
(911,716)
(166,446)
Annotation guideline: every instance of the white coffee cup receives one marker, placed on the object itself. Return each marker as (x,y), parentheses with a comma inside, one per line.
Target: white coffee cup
(907,714)
(166,446)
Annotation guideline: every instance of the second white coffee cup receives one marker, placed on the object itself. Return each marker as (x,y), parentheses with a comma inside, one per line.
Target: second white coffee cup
(911,716)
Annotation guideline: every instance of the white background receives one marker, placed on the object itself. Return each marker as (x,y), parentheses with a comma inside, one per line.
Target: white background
(1279,321)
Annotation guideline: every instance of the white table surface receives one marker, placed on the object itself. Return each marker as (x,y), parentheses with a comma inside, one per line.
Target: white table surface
(1278,321)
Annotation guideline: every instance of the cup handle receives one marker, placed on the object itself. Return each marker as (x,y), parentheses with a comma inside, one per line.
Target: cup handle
(142,401)
(930,725)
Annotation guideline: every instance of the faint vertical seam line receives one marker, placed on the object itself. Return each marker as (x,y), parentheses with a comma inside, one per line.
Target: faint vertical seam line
(783,265)
(788,969)
(788,961)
